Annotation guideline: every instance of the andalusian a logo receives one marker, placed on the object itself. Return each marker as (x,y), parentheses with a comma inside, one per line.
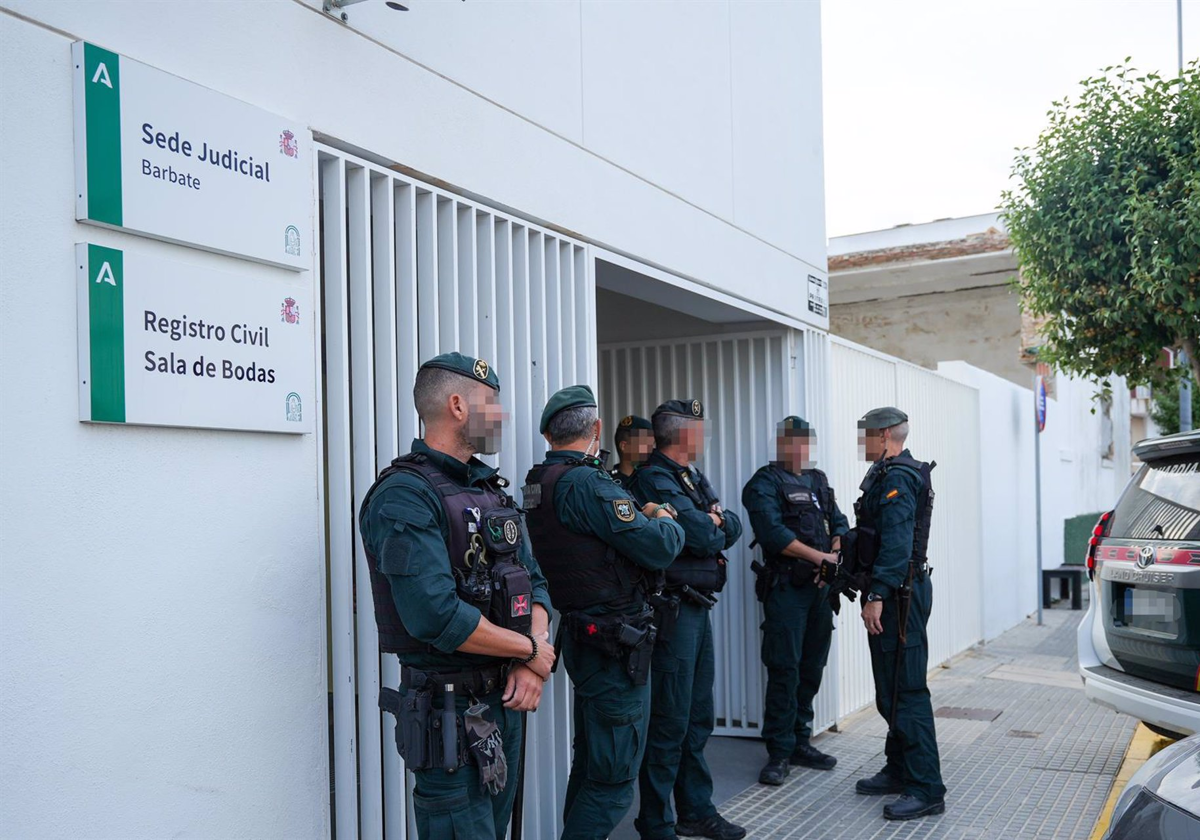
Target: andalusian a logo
(624,510)
(294,410)
(104,375)
(102,134)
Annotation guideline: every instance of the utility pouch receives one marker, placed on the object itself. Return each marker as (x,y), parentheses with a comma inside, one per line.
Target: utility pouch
(485,744)
(666,612)
(637,665)
(765,577)
(512,597)
(413,711)
(501,531)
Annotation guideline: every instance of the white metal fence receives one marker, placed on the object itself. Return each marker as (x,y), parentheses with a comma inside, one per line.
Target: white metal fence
(944,420)
(409,271)
(746,382)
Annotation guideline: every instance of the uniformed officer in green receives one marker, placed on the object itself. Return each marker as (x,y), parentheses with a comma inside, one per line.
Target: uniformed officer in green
(602,557)
(797,523)
(634,440)
(681,703)
(893,519)
(460,599)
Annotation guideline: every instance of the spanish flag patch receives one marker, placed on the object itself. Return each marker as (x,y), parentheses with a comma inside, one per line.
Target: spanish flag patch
(892,494)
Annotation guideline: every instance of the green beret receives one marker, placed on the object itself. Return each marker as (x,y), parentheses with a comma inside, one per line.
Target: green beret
(476,369)
(796,425)
(692,409)
(882,418)
(576,396)
(633,423)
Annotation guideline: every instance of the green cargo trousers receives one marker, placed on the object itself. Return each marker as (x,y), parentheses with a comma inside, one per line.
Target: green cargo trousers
(681,719)
(797,631)
(452,805)
(610,739)
(911,749)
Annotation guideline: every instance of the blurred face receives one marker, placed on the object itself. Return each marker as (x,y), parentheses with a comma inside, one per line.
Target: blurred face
(693,439)
(871,444)
(484,421)
(795,451)
(639,446)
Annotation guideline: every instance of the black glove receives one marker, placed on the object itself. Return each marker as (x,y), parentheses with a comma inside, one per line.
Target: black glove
(487,746)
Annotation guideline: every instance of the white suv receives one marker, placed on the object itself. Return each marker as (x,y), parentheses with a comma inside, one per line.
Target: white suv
(1139,644)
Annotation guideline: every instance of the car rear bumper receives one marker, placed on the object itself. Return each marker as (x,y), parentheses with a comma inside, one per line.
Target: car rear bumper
(1166,706)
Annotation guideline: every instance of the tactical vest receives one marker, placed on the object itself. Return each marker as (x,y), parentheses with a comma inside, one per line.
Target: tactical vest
(581,570)
(806,510)
(485,536)
(924,514)
(619,478)
(706,574)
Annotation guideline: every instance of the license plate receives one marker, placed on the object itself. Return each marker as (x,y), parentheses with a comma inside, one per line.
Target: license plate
(1151,604)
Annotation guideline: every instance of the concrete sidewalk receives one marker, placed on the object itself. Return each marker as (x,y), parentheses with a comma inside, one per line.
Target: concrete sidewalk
(1041,768)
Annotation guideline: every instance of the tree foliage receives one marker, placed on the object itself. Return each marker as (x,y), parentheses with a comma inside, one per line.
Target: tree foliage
(1105,220)
(1164,410)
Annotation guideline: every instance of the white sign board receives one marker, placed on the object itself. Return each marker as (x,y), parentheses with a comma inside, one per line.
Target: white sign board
(170,344)
(167,158)
(818,296)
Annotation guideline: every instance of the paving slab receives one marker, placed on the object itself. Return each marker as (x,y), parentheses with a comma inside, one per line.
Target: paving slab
(1042,768)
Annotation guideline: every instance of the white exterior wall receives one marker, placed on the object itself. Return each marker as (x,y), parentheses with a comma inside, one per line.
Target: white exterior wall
(1075,480)
(163,604)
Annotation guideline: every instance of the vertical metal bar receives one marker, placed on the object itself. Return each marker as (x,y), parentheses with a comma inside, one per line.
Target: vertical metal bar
(552,320)
(467,310)
(362,424)
(384,197)
(408,356)
(1037,495)
(339,499)
(449,338)
(428,340)
(523,350)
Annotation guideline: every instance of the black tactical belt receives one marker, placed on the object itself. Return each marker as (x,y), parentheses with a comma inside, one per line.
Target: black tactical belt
(478,682)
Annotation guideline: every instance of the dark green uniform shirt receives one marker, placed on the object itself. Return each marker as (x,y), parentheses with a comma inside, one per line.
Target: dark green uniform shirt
(762,498)
(660,480)
(892,506)
(584,501)
(423,585)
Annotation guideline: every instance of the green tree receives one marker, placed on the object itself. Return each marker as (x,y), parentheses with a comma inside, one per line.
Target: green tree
(1164,410)
(1105,220)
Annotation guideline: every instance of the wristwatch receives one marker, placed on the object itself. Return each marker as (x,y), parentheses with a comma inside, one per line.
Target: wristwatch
(872,597)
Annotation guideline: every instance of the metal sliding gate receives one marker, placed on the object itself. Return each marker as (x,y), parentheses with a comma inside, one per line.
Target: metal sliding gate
(409,270)
(747,382)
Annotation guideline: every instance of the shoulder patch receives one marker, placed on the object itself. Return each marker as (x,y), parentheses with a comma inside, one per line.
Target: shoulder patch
(624,509)
(893,494)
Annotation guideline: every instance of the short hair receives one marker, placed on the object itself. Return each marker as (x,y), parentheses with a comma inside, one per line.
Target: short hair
(623,434)
(571,424)
(433,388)
(899,432)
(668,428)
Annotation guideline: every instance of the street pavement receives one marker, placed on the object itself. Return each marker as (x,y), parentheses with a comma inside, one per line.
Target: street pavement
(1042,768)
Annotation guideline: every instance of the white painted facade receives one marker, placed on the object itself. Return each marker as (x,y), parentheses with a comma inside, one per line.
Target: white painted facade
(164,609)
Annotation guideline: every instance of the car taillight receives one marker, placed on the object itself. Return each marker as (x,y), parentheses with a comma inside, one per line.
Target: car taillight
(1101,530)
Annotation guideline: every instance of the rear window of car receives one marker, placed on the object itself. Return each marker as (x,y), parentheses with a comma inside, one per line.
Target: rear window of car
(1162,502)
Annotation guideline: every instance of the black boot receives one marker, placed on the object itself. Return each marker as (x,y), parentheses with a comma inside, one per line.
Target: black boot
(806,755)
(775,772)
(909,807)
(716,827)
(878,785)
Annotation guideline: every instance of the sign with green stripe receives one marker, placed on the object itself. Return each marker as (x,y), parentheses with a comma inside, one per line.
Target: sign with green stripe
(160,156)
(163,343)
